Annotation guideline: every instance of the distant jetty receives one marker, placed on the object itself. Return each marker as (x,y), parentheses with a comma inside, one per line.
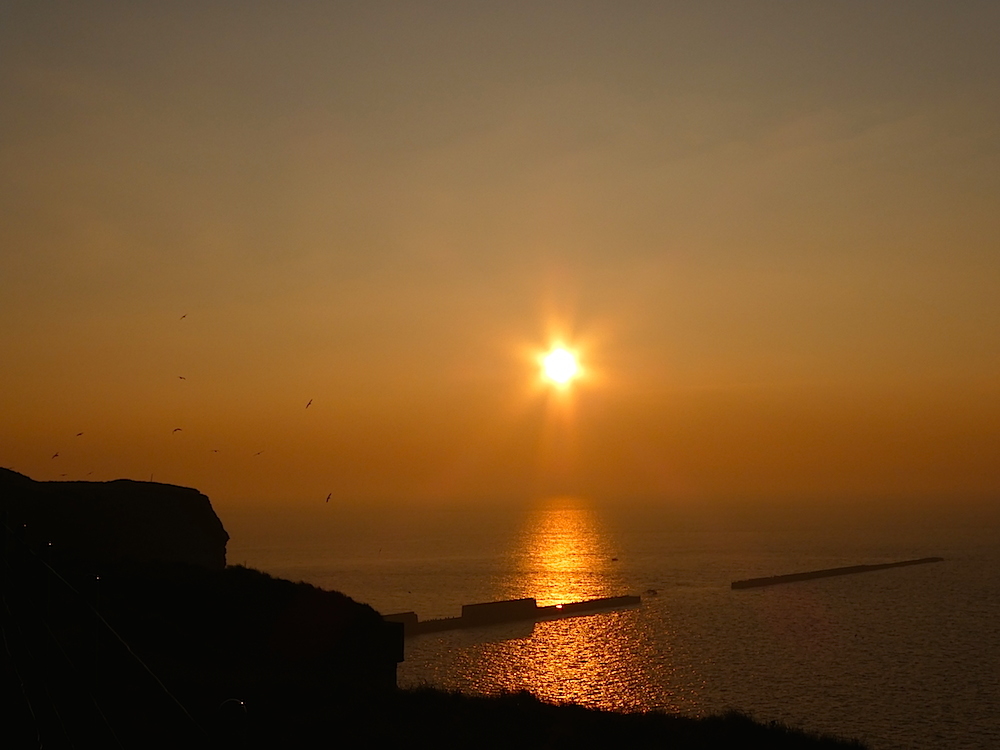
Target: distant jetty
(751,583)
(511,610)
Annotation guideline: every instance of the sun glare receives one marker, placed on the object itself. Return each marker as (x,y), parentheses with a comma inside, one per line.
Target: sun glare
(560,366)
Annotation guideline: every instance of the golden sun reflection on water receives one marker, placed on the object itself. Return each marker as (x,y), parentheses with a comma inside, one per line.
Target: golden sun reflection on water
(563,557)
(601,660)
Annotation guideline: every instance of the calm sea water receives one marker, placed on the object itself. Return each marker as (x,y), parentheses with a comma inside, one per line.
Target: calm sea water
(901,658)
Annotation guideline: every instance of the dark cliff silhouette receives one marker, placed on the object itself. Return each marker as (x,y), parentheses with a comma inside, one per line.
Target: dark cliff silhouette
(129,631)
(119,612)
(118,521)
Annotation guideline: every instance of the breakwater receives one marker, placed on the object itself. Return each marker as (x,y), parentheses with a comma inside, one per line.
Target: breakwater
(845,571)
(511,610)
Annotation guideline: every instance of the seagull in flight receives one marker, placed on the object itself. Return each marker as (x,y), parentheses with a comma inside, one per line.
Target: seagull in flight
(78,434)
(258,453)
(177,429)
(329,496)
(182,377)
(310,401)
(55,455)
(184,316)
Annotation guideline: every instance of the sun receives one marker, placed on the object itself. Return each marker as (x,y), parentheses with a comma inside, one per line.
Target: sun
(560,366)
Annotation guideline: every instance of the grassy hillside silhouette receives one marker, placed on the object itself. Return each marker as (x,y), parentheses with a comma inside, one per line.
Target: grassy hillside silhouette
(102,651)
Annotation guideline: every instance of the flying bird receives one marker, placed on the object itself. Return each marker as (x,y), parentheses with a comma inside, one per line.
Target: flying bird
(55,455)
(177,429)
(78,434)
(215,450)
(182,377)
(310,401)
(258,453)
(183,316)
(329,496)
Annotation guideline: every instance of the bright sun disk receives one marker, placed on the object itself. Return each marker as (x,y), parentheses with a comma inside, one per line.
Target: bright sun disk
(560,366)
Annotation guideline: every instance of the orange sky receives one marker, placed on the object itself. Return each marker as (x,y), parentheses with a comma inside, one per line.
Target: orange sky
(771,230)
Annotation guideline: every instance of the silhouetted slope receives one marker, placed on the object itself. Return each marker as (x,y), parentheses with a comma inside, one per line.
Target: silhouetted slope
(241,633)
(428,718)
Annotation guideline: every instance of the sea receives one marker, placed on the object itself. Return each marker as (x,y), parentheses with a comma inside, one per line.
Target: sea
(898,658)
